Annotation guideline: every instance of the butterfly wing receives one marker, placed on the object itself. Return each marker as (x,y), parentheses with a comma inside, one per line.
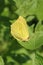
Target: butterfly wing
(19,29)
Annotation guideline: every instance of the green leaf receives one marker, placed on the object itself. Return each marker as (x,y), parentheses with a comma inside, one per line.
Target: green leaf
(35,60)
(39,9)
(34,42)
(1,61)
(39,27)
(26,7)
(38,60)
(30,7)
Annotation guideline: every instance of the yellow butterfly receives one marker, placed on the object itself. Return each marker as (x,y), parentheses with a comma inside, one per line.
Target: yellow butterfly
(19,29)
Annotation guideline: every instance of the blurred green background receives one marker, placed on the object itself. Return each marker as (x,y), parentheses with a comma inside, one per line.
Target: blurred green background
(13,52)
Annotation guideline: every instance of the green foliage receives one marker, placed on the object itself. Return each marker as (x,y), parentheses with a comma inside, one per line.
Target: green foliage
(13,52)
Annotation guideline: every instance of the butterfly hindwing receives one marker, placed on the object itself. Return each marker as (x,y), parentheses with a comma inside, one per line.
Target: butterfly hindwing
(19,29)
